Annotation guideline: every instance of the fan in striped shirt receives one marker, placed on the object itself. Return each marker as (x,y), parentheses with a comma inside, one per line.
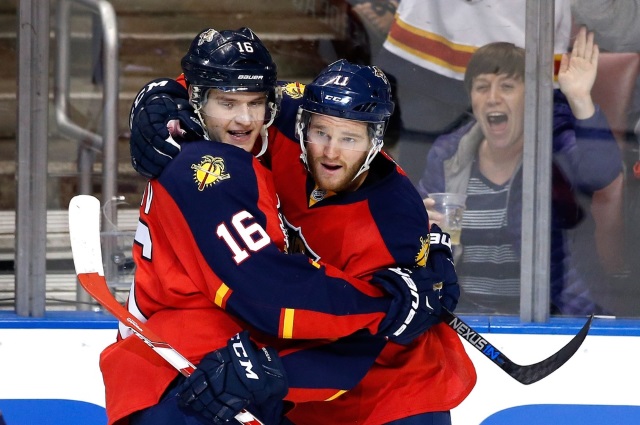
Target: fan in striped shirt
(489,266)
(482,159)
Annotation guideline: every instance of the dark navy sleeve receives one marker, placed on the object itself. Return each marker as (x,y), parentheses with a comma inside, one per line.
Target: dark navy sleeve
(283,295)
(401,219)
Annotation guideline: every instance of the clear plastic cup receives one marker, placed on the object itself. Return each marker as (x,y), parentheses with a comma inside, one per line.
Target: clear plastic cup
(451,206)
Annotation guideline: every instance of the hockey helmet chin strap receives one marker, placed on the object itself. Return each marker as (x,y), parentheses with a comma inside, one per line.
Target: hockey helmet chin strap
(264,131)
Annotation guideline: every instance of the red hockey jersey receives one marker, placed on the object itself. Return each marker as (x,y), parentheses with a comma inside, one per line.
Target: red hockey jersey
(383,223)
(210,262)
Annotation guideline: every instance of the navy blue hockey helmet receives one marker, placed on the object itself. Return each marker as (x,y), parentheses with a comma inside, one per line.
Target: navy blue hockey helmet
(230,60)
(349,91)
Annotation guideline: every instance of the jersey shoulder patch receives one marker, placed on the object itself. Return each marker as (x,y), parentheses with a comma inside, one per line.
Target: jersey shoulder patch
(293,90)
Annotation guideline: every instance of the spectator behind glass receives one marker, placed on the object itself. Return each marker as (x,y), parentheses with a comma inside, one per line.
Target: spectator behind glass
(483,159)
(426,52)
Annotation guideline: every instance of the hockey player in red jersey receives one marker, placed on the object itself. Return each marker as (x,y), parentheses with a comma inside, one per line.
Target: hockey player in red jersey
(356,210)
(210,263)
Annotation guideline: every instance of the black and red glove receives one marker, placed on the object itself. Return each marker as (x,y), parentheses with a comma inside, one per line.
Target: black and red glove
(415,305)
(236,377)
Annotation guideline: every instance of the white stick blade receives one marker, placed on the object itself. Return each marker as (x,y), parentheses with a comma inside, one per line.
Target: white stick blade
(84,231)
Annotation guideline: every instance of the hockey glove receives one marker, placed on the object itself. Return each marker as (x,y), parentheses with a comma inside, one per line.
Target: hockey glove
(440,262)
(415,306)
(151,144)
(233,378)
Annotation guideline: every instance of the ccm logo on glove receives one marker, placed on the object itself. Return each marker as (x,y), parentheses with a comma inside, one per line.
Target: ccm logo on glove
(241,353)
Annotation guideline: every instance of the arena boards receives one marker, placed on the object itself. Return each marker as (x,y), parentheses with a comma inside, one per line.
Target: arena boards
(50,372)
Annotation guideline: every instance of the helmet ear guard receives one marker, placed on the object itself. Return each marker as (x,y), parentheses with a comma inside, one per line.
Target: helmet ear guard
(348,91)
(230,61)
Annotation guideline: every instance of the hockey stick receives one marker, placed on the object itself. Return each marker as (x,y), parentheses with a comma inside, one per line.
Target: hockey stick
(524,374)
(84,230)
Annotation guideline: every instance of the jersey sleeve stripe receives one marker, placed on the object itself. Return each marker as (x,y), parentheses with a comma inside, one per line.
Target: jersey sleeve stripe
(287,326)
(222,295)
(336,395)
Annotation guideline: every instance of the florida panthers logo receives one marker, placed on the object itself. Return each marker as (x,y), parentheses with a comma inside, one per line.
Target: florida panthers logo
(294,90)
(378,73)
(207,36)
(209,172)
(421,258)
